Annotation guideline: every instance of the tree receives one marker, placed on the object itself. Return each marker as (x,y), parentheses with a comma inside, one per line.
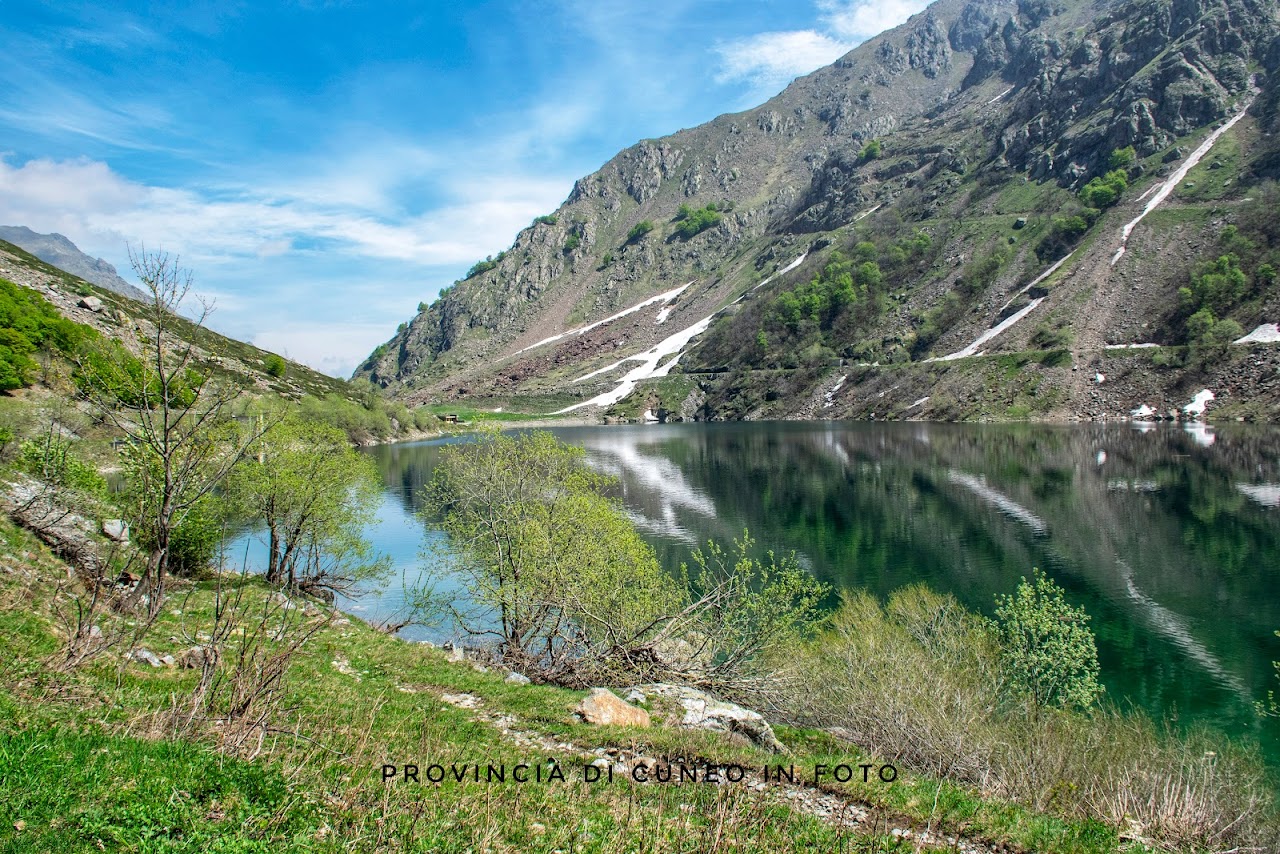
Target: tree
(554,572)
(315,494)
(1048,650)
(182,442)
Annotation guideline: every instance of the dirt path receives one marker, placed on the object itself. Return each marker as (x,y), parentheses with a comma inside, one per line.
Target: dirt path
(829,807)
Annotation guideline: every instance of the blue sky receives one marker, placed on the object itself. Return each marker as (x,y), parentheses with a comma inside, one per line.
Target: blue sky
(324,166)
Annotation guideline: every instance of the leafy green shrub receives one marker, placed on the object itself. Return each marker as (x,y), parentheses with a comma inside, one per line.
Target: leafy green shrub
(840,284)
(639,230)
(572,242)
(545,219)
(870,151)
(1048,650)
(51,458)
(194,543)
(1063,234)
(107,369)
(1216,285)
(1122,158)
(1105,191)
(27,323)
(694,222)
(574,593)
(275,365)
(982,271)
(489,263)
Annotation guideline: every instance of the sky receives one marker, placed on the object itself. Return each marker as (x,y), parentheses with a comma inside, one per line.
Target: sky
(323,166)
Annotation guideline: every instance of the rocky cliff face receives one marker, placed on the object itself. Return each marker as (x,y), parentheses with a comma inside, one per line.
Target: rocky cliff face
(970,117)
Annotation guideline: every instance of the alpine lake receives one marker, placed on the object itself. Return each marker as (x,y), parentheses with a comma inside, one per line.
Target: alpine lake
(1167,535)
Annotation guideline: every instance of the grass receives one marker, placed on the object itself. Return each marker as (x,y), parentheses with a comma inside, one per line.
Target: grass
(89,759)
(297,378)
(470,414)
(670,391)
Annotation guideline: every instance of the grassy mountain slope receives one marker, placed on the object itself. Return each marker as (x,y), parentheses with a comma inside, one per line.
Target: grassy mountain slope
(961,154)
(107,756)
(119,316)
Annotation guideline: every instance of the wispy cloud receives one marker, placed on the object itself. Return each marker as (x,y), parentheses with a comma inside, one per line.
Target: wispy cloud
(768,61)
(771,60)
(89,202)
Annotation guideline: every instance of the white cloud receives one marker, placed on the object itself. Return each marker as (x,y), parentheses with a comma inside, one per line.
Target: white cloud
(774,59)
(344,256)
(99,209)
(770,60)
(860,20)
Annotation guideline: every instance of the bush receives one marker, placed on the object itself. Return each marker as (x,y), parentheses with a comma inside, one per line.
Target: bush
(489,263)
(194,543)
(694,222)
(51,458)
(545,219)
(924,683)
(871,151)
(571,243)
(1105,191)
(1063,234)
(1048,651)
(275,365)
(28,323)
(639,230)
(1122,158)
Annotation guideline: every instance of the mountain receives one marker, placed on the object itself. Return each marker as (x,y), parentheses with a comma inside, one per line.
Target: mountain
(65,255)
(960,218)
(123,318)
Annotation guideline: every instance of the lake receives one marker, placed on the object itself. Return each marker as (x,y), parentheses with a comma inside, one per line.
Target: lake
(1168,536)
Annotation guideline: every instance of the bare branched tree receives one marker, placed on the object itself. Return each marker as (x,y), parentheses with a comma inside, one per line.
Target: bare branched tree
(175,417)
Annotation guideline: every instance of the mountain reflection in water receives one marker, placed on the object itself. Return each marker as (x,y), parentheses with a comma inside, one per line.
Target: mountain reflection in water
(1169,538)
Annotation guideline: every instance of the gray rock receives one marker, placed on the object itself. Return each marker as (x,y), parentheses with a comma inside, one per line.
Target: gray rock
(146,656)
(91,303)
(517,678)
(194,658)
(116,529)
(703,711)
(635,695)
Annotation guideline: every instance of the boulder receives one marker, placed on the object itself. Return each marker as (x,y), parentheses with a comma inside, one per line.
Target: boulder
(703,711)
(91,303)
(194,658)
(146,656)
(604,708)
(116,529)
(517,678)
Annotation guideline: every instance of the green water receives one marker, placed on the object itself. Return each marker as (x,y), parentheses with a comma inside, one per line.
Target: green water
(1170,539)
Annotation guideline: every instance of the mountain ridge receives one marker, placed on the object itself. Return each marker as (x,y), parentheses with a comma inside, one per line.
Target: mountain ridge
(58,250)
(974,109)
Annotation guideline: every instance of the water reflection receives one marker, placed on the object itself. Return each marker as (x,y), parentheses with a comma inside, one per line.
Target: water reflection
(1169,538)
